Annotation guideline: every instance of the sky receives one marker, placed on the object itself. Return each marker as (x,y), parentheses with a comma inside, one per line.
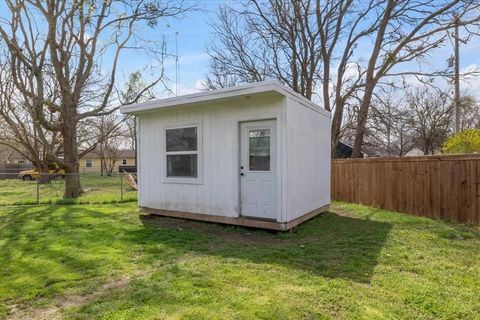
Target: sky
(195,31)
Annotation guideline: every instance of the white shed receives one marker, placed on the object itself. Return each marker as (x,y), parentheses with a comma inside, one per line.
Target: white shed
(255,155)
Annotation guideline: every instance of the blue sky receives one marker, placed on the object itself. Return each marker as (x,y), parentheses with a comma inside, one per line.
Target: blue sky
(194,32)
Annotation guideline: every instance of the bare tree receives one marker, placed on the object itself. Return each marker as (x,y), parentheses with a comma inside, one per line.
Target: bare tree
(303,43)
(20,129)
(470,113)
(275,39)
(431,119)
(408,31)
(135,90)
(113,132)
(389,129)
(68,45)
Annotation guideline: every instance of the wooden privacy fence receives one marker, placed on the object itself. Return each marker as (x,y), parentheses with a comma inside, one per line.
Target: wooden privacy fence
(445,187)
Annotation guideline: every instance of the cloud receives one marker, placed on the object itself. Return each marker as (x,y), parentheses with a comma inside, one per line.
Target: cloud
(471,81)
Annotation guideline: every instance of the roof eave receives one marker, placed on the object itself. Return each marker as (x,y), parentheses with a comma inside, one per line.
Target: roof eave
(251,89)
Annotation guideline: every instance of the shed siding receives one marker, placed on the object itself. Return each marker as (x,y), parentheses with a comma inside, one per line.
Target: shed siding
(218,193)
(306,184)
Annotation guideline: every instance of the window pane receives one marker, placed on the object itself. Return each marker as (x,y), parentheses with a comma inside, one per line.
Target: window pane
(182,139)
(183,165)
(259,150)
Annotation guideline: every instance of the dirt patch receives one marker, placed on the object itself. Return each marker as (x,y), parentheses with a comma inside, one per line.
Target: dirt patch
(55,311)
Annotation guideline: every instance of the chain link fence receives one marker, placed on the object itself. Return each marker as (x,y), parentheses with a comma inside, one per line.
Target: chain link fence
(32,189)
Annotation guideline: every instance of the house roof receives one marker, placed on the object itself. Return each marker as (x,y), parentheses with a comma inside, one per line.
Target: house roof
(344,150)
(248,90)
(122,154)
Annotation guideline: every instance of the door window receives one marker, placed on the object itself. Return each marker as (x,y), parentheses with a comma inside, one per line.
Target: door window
(259,149)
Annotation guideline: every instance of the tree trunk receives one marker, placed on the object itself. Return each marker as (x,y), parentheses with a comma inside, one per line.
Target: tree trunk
(45,177)
(73,188)
(361,122)
(371,80)
(337,126)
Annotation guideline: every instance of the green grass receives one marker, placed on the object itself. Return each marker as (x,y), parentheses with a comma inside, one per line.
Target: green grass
(110,262)
(98,189)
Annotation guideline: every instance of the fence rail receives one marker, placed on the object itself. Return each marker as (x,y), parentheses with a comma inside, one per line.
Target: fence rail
(445,187)
(32,190)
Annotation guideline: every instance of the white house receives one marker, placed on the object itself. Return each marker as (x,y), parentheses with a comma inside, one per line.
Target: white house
(254,155)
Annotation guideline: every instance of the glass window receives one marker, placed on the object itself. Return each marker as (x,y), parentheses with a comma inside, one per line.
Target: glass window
(259,149)
(124,161)
(182,139)
(88,163)
(182,152)
(182,165)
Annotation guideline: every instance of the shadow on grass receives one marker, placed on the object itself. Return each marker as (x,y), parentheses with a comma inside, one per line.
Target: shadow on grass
(58,248)
(329,245)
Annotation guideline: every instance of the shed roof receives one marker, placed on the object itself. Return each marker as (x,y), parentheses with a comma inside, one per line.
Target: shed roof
(252,89)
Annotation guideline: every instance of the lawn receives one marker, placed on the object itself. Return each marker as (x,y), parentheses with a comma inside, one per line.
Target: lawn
(109,261)
(98,189)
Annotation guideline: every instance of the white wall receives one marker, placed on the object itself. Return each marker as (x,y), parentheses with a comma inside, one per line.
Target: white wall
(218,193)
(307,161)
(303,156)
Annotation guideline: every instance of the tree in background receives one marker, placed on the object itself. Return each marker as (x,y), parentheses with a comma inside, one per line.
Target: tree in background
(467,141)
(390,131)
(275,39)
(20,128)
(135,90)
(75,47)
(112,134)
(348,48)
(469,113)
(431,118)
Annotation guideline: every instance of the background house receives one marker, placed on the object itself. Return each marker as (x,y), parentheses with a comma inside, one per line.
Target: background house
(9,155)
(12,162)
(107,161)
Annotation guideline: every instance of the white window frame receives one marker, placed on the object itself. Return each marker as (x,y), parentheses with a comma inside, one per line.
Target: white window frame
(88,160)
(184,180)
(124,162)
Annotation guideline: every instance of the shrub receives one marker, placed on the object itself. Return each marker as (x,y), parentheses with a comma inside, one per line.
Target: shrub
(467,141)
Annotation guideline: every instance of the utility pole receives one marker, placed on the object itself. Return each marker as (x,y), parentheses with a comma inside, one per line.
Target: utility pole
(457,75)
(176,63)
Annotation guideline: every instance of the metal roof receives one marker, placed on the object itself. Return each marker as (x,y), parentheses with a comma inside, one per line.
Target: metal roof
(247,90)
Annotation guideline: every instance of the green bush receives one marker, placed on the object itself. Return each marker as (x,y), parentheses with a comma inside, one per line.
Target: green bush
(467,141)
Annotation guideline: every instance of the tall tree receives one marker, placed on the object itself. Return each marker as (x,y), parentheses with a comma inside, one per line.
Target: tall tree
(408,31)
(274,39)
(350,48)
(75,46)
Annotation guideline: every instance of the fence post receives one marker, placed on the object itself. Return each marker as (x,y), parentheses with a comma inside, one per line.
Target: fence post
(121,186)
(38,190)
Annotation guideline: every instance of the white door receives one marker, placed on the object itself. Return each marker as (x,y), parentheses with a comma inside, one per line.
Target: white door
(258,169)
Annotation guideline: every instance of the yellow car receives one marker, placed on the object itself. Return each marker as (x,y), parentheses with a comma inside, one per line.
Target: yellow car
(33,174)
